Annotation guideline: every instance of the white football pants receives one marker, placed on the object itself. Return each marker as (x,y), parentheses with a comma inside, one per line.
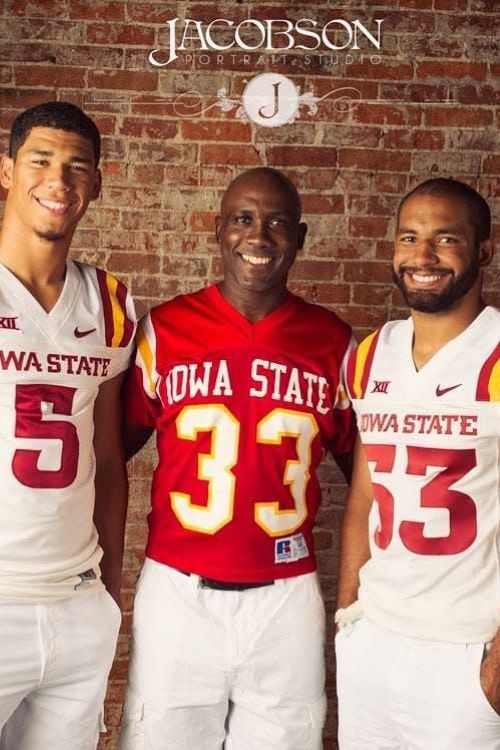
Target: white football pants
(400,693)
(243,670)
(54,664)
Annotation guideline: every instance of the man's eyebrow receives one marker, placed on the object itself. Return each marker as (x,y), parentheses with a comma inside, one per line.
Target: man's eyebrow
(73,158)
(440,230)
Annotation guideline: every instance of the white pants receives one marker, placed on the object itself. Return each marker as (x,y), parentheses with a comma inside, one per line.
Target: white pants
(400,693)
(54,664)
(239,669)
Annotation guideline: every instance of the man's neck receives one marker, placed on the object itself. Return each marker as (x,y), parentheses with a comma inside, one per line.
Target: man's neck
(252,305)
(433,330)
(40,265)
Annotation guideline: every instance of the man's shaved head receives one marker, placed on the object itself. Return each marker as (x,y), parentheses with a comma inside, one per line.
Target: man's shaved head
(266,175)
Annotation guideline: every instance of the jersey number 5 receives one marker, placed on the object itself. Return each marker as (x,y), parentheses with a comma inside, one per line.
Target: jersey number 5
(436,493)
(30,423)
(216,468)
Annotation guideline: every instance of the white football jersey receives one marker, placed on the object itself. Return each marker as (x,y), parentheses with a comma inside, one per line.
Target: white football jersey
(51,367)
(432,441)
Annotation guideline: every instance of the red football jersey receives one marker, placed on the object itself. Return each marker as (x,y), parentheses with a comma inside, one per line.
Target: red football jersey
(243,413)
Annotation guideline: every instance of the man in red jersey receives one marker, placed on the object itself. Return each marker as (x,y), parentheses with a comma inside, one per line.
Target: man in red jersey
(243,382)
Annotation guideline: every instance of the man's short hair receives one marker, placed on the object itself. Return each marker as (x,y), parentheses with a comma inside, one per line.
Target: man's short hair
(59,115)
(479,212)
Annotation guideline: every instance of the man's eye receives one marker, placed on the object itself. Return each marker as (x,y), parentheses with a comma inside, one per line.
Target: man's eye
(78,168)
(39,162)
(447,240)
(407,239)
(242,219)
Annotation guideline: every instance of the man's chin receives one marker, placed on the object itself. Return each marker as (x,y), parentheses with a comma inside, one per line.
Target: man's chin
(50,235)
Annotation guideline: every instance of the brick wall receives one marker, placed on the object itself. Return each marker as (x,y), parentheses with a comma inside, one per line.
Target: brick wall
(427,109)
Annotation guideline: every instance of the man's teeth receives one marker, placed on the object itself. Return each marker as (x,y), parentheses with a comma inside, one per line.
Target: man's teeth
(256,260)
(427,278)
(53,205)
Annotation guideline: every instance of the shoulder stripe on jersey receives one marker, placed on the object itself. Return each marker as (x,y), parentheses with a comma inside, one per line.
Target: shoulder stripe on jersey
(488,384)
(146,360)
(117,325)
(362,363)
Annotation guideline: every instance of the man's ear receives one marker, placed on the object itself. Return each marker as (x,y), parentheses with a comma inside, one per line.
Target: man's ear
(218,227)
(301,235)
(96,188)
(486,251)
(6,170)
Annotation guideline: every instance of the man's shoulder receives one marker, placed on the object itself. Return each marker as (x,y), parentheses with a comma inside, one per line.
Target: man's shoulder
(181,304)
(319,315)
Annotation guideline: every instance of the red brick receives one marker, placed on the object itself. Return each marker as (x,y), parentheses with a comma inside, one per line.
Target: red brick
(41,75)
(153,13)
(237,155)
(414,139)
(368,226)
(129,262)
(322,204)
(491,164)
(407,22)
(389,114)
(374,159)
(390,183)
(216,130)
(141,127)
(395,70)
(307,156)
(42,29)
(58,8)
(452,69)
(480,140)
(450,4)
(375,272)
(182,268)
(472,23)
(478,95)
(22,99)
(100,11)
(26,53)
(373,205)
(371,294)
(453,116)
(85,54)
(119,33)
(123,80)
(413,92)
(417,4)
(315,269)
(203,221)
(6,74)
(437,45)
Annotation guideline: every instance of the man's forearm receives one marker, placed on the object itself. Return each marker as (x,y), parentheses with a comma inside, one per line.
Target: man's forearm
(109,517)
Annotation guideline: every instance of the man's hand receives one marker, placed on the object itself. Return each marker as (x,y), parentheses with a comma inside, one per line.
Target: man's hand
(490,674)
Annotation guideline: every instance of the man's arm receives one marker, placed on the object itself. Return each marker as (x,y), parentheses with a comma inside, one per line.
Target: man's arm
(354,545)
(490,674)
(111,485)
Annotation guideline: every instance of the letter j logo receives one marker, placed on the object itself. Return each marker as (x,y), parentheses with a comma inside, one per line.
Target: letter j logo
(271,100)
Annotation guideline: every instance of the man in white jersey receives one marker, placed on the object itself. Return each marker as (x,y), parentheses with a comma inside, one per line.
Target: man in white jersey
(65,333)
(418,645)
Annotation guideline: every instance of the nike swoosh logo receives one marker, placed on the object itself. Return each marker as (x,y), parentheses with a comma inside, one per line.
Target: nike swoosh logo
(80,334)
(441,391)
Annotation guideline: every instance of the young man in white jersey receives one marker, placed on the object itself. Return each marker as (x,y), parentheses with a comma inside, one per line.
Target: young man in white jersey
(418,645)
(65,337)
